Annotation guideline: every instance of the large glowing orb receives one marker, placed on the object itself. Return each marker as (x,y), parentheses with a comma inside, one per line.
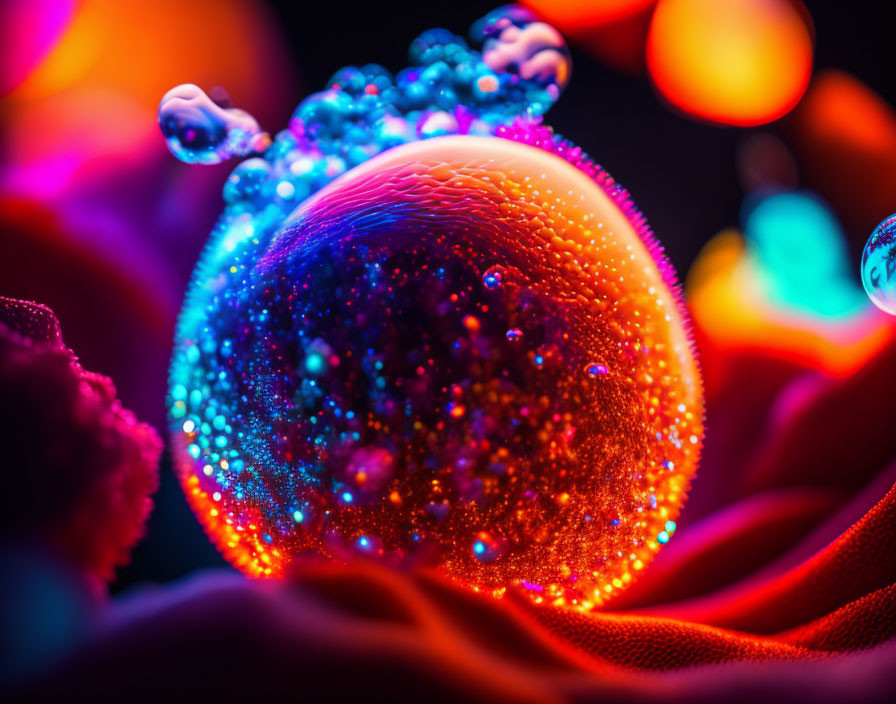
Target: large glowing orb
(466,353)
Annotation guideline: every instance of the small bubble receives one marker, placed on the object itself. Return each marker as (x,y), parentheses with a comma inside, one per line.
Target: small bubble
(492,278)
(514,334)
(879,266)
(199,131)
(515,42)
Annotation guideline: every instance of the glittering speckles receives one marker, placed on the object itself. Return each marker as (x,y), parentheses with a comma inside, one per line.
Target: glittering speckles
(359,381)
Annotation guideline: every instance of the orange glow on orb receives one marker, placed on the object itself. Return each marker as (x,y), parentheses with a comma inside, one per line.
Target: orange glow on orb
(737,62)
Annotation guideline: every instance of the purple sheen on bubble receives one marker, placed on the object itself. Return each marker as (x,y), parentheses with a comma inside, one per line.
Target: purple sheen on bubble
(199,131)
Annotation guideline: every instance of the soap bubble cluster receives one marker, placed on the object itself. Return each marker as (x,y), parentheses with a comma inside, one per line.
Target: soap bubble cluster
(449,88)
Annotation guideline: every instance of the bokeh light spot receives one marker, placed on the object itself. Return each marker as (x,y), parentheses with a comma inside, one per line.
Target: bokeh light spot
(802,255)
(738,62)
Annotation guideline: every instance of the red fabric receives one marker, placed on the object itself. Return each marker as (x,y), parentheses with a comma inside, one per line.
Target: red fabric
(821,630)
(365,632)
(859,563)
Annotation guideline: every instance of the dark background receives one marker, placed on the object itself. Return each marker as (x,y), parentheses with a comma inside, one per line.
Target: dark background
(681,173)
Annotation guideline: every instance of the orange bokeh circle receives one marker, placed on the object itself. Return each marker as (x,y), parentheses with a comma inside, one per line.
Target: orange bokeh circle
(734,62)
